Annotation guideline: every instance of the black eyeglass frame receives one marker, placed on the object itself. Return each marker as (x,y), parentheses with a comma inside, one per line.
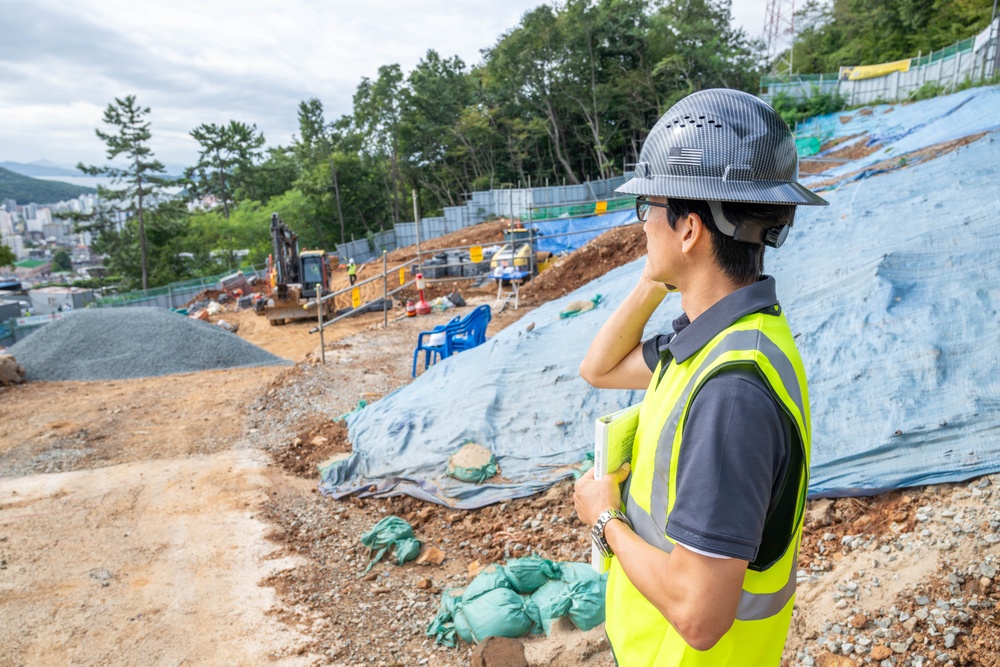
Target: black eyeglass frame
(642,205)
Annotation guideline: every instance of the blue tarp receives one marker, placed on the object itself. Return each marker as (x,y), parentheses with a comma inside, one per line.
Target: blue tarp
(902,128)
(566,234)
(891,291)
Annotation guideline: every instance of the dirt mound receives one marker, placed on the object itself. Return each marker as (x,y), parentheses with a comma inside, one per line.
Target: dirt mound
(485,234)
(608,251)
(318,440)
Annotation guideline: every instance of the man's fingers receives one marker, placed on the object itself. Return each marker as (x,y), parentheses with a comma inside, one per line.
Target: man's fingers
(622,473)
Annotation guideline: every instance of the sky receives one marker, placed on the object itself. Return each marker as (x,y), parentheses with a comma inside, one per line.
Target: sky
(211,61)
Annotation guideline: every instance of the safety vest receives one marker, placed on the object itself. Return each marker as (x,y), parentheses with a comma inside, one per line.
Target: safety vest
(639,633)
(351,270)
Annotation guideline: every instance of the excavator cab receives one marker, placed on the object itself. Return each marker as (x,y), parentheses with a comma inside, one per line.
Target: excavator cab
(313,272)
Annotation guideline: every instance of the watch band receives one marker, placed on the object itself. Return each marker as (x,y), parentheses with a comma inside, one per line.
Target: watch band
(597,532)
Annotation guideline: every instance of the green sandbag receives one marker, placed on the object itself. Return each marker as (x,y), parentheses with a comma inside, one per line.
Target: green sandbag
(472,463)
(574,308)
(527,574)
(492,577)
(462,627)
(443,627)
(552,600)
(500,613)
(586,591)
(391,532)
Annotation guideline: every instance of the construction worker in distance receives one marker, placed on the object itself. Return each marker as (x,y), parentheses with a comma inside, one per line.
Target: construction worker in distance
(705,534)
(352,270)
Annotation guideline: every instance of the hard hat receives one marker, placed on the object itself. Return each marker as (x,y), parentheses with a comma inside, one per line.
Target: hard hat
(721,145)
(350,261)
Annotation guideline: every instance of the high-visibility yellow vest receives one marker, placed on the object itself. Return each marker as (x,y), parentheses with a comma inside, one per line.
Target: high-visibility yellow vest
(639,634)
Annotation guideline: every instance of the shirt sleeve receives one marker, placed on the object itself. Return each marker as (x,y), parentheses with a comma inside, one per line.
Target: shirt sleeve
(651,350)
(730,469)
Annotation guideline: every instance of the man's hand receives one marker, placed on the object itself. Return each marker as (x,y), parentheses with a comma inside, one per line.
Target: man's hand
(591,497)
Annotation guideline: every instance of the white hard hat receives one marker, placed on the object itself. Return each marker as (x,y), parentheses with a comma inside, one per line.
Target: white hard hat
(351,260)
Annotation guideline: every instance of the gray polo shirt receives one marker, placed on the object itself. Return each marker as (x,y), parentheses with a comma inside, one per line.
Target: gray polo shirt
(737,439)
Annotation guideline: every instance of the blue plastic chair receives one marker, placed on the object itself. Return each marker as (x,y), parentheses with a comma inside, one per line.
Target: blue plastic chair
(459,334)
(437,350)
(471,331)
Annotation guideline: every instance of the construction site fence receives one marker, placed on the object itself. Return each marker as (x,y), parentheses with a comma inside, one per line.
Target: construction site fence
(174,295)
(524,204)
(967,62)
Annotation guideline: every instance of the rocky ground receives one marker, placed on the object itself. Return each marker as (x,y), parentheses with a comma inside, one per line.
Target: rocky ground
(213,475)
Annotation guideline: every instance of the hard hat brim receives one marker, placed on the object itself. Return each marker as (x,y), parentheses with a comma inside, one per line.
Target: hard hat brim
(714,189)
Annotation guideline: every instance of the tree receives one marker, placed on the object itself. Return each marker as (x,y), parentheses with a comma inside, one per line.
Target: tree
(7,256)
(226,160)
(61,261)
(140,180)
(377,111)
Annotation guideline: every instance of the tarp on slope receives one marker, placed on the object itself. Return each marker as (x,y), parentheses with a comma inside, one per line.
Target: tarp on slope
(519,394)
(566,234)
(891,291)
(903,128)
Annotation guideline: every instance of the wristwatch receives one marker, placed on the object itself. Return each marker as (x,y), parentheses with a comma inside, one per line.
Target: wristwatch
(597,532)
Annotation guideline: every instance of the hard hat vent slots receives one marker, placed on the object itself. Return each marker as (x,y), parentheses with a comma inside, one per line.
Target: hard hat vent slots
(749,156)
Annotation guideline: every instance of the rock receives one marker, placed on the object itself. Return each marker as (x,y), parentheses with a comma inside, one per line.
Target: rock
(424,583)
(430,556)
(881,652)
(475,567)
(831,660)
(819,511)
(499,652)
(10,371)
(859,621)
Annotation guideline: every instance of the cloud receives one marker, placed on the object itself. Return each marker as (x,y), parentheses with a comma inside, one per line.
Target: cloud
(208,61)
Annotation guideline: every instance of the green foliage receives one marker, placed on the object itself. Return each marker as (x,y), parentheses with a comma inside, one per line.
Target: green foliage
(7,256)
(61,261)
(831,33)
(928,90)
(794,110)
(226,159)
(137,183)
(26,190)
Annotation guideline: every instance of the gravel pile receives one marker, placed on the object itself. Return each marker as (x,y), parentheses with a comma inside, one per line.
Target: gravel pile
(119,343)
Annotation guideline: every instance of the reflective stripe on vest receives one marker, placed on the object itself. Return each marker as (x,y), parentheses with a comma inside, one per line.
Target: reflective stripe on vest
(752,606)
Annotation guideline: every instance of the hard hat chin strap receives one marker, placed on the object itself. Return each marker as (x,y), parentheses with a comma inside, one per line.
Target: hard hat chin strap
(747,233)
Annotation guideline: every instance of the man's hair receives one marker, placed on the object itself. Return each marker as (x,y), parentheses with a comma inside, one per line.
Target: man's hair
(742,262)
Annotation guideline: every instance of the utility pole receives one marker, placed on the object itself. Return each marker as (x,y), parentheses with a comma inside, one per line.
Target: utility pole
(416,223)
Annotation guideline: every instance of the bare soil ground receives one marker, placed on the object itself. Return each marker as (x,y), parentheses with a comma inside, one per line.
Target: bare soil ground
(176,520)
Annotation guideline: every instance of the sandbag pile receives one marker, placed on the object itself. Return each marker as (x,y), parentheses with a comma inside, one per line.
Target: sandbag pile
(525,596)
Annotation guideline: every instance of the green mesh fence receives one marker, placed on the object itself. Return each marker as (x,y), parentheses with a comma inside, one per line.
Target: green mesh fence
(582,209)
(965,46)
(182,287)
(796,78)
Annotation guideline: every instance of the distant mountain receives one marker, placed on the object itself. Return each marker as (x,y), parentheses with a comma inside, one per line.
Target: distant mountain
(39,168)
(26,190)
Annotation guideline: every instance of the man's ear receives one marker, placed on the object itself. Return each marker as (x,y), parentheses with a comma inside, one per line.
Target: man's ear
(692,231)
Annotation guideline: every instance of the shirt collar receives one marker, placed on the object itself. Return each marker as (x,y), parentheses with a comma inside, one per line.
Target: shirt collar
(690,336)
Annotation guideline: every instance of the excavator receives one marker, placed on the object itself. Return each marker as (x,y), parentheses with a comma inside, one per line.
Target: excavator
(293,278)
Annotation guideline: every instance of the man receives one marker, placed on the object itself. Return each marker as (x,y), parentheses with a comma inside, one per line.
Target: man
(705,533)
(352,270)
